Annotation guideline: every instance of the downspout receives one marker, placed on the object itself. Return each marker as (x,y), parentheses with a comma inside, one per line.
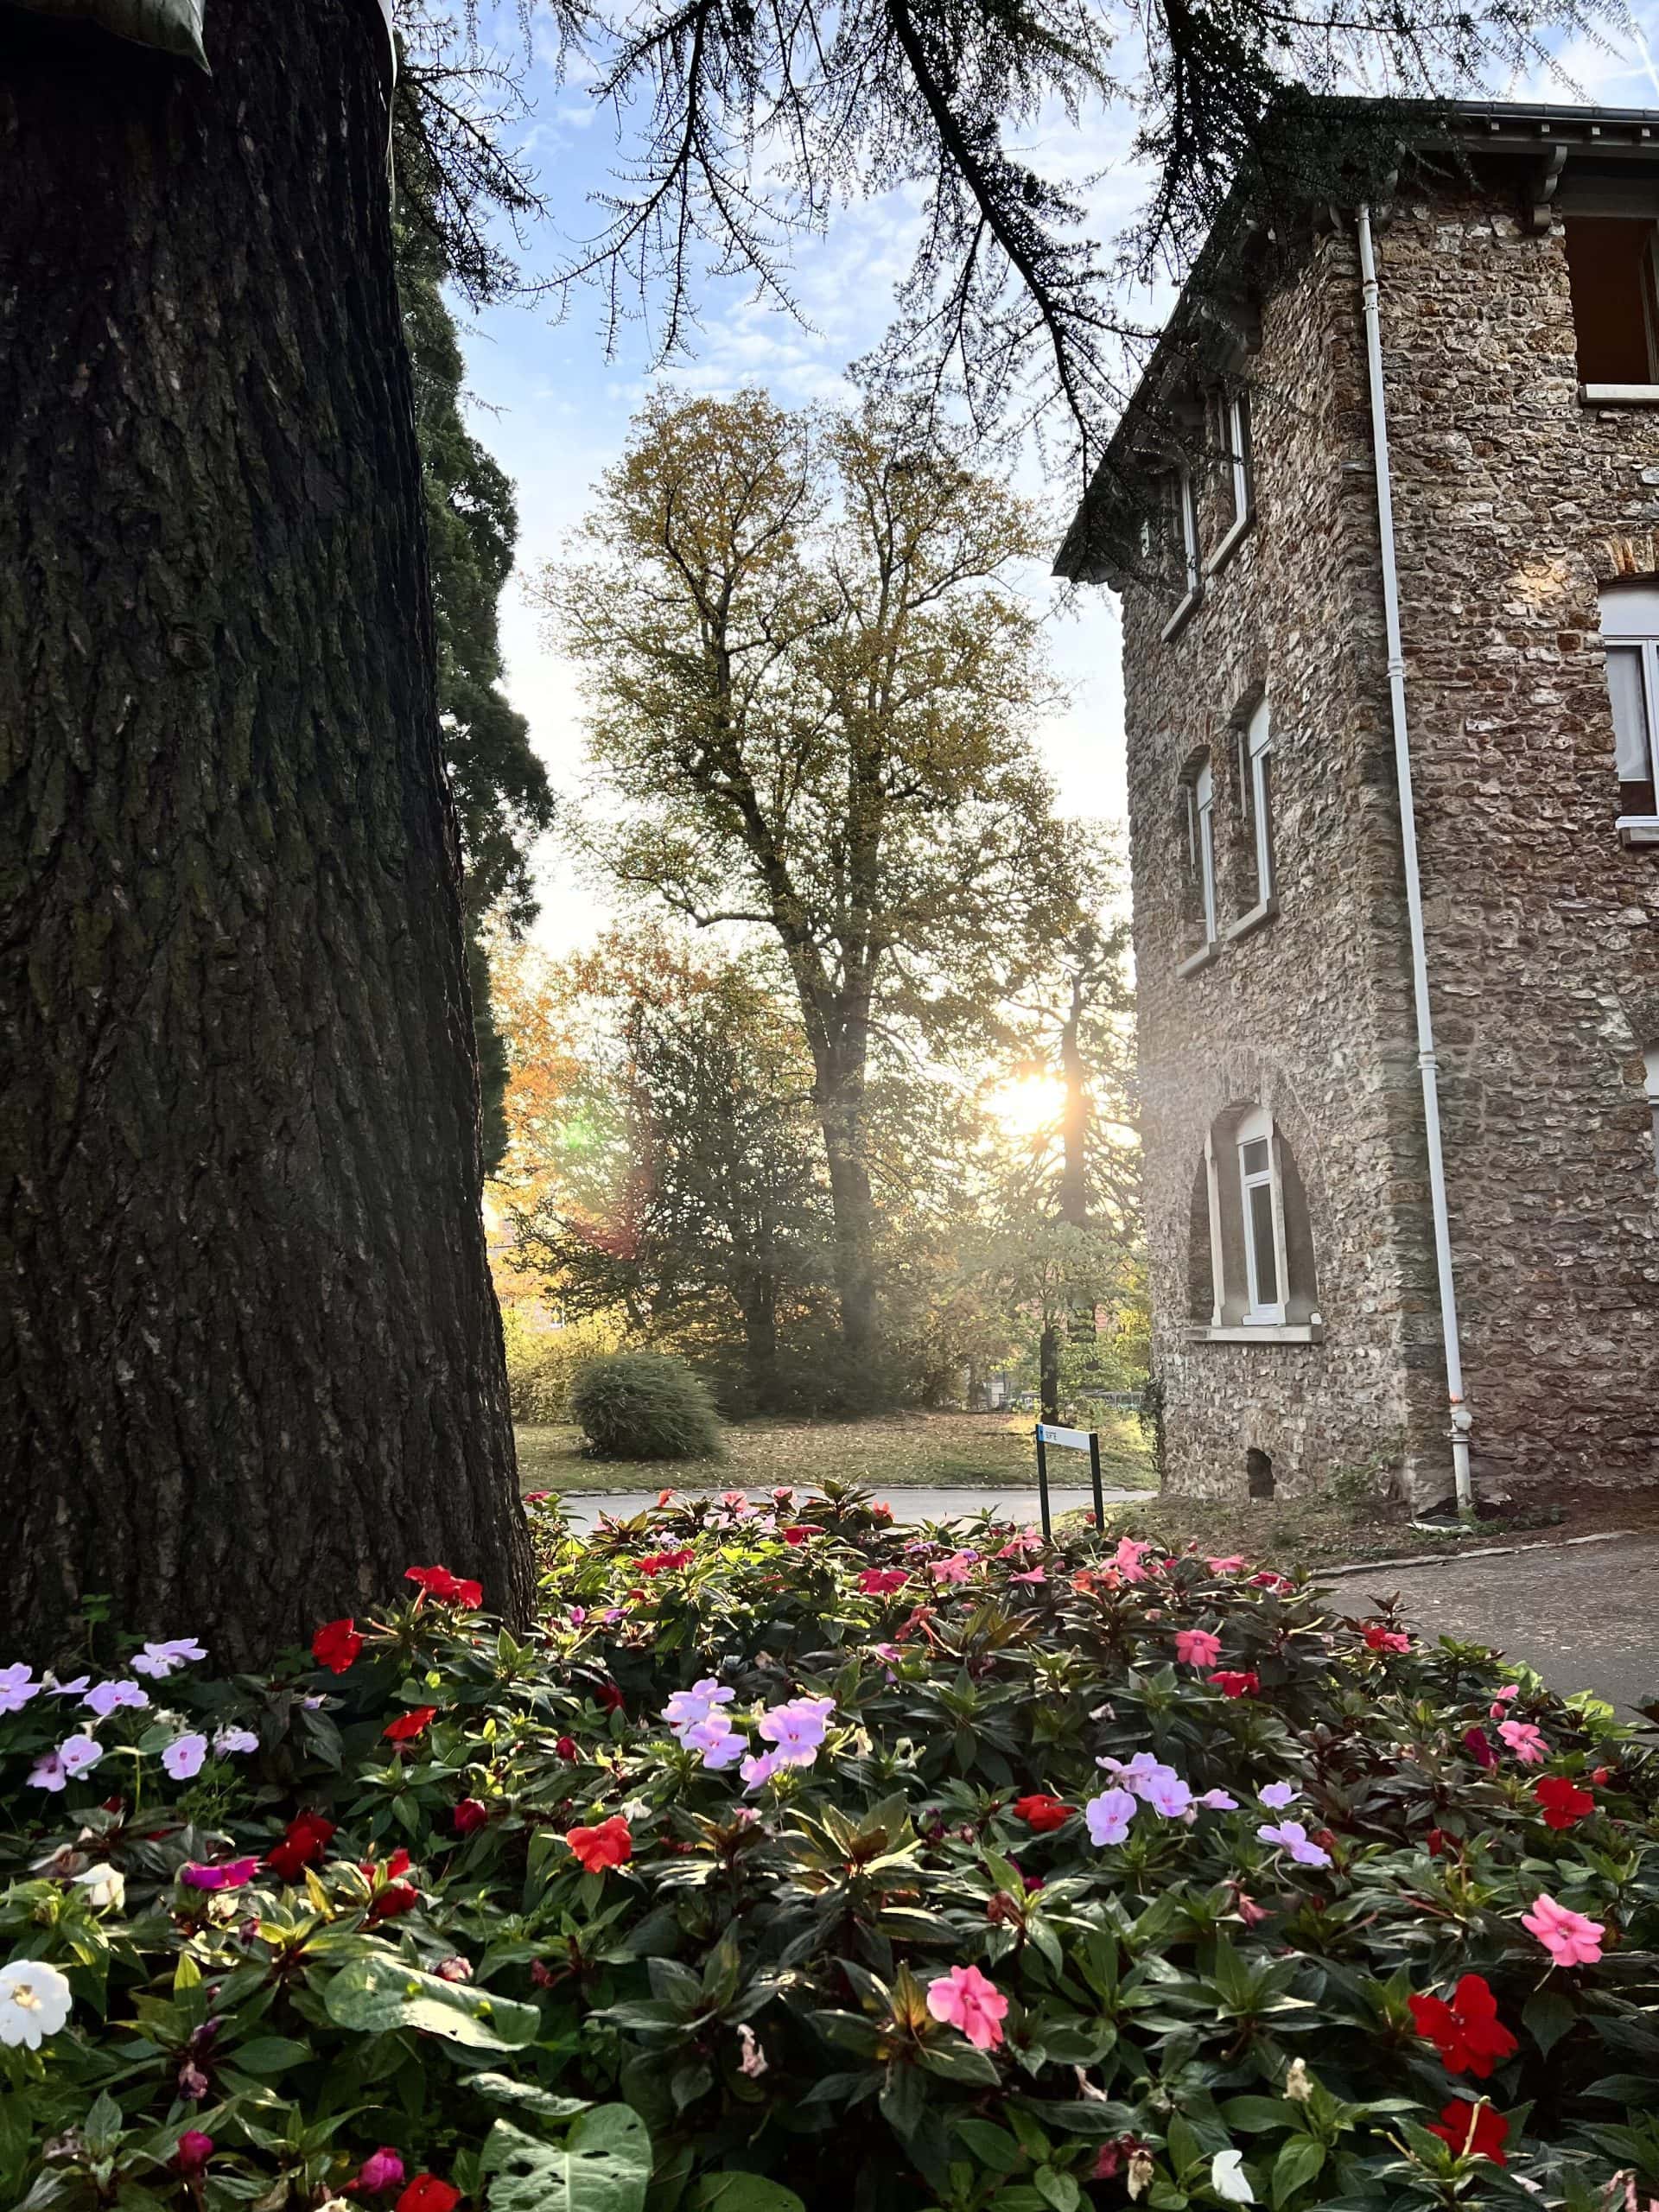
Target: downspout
(1462,1420)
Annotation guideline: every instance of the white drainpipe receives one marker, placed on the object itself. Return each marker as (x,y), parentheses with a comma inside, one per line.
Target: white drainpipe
(1461,1419)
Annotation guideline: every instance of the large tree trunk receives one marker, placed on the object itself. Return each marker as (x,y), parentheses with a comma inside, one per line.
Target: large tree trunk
(840,1117)
(252,1365)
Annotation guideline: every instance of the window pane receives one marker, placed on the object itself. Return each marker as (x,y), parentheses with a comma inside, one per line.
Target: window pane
(1255,1157)
(1263,766)
(1606,258)
(1630,714)
(1260,1197)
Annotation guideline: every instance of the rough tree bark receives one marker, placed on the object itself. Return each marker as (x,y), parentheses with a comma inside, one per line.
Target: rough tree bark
(252,1365)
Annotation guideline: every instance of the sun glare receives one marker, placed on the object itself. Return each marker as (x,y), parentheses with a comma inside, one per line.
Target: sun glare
(1028,1105)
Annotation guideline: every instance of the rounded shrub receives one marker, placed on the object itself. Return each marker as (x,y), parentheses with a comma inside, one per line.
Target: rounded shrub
(645,1405)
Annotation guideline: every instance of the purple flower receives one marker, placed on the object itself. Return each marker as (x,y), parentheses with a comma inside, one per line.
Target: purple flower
(54,1687)
(578,1615)
(47,1772)
(18,1686)
(797,1728)
(1218,1801)
(1291,1836)
(1133,1773)
(758,1770)
(158,1660)
(1168,1793)
(108,1697)
(227,1740)
(183,1757)
(80,1754)
(1109,1815)
(722,1749)
(234,1874)
(1278,1795)
(687,1709)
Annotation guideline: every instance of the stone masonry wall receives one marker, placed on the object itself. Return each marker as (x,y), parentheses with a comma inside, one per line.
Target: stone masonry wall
(1511,501)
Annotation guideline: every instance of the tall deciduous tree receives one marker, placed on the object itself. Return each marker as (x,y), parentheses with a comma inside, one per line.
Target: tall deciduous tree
(810,678)
(250,1365)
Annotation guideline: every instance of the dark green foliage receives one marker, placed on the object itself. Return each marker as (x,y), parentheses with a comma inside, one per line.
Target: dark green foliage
(645,1405)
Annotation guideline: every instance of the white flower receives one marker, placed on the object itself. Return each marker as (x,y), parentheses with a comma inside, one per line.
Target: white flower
(106,1887)
(1228,2179)
(35,2001)
(754,2060)
(1299,2083)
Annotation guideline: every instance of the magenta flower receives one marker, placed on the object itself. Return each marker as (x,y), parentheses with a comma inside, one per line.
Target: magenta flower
(1109,1815)
(1525,1740)
(109,1697)
(1570,1939)
(18,1686)
(1502,1700)
(964,1999)
(234,1874)
(1196,1647)
(183,1757)
(1476,1742)
(381,2169)
(1291,1836)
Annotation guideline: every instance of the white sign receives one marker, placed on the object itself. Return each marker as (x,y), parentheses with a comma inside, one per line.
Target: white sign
(1075,1439)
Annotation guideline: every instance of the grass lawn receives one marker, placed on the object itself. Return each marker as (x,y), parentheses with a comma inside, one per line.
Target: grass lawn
(888,1452)
(1312,1531)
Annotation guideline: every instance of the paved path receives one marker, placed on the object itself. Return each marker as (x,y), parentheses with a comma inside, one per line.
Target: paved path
(909,1506)
(1587,1615)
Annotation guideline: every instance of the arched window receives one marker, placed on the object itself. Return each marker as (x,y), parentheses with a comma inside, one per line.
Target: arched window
(1255,1232)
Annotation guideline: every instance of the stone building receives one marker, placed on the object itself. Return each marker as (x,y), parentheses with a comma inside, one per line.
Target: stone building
(1311,991)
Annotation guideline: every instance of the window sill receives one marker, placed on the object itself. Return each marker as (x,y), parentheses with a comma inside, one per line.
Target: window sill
(1263,911)
(1229,544)
(1183,614)
(1637,829)
(1284,1332)
(1619,395)
(1201,958)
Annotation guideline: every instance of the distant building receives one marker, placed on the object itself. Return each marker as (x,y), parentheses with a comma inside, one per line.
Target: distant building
(1303,1326)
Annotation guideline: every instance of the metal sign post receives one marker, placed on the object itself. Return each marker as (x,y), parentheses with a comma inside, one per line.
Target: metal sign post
(1072,1440)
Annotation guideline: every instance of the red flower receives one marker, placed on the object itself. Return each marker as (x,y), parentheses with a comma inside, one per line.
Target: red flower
(660,1562)
(609,1697)
(1436,1845)
(610,1844)
(303,1843)
(877,1581)
(449,1589)
(566,1747)
(193,2151)
(408,1726)
(1602,1777)
(1565,1804)
(1378,1638)
(1042,1812)
(799,1535)
(1232,1684)
(470,1816)
(398,1863)
(880,1510)
(1473,2130)
(1475,1742)
(1467,2032)
(336,1644)
(394,1901)
(426,2193)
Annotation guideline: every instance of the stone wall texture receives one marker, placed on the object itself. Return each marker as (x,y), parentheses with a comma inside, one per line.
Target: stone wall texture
(1512,499)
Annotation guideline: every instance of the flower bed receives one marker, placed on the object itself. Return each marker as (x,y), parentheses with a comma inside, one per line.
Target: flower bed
(798,1860)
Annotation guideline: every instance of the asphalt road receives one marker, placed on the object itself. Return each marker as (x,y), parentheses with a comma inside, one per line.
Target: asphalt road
(1587,1615)
(909,1505)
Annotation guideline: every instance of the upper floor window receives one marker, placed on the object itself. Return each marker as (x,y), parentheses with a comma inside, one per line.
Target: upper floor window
(1255,806)
(1199,791)
(1178,534)
(1236,499)
(1629,630)
(1611,269)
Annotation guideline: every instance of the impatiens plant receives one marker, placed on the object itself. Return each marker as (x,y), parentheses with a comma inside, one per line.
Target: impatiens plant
(794,1860)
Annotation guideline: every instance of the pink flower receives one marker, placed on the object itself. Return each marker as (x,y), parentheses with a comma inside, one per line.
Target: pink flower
(234,1874)
(1196,1647)
(193,2151)
(1230,1565)
(381,2169)
(1503,1699)
(964,1999)
(1128,1558)
(1526,1741)
(1378,1638)
(957,1568)
(1032,1574)
(1570,1939)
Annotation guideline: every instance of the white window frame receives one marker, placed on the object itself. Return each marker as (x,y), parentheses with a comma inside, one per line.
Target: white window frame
(1235,415)
(1257,1129)
(1191,563)
(1203,812)
(1629,621)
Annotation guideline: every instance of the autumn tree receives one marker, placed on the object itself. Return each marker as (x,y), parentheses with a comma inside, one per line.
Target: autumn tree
(809,679)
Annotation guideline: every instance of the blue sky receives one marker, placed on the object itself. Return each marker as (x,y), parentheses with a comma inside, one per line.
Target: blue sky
(555,409)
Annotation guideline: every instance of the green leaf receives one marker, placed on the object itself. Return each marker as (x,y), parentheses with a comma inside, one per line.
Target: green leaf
(171,25)
(603,2166)
(268,2054)
(1058,2190)
(991,2144)
(1296,2165)
(376,1995)
(1548,2015)
(1257,2115)
(742,2193)
(528,2098)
